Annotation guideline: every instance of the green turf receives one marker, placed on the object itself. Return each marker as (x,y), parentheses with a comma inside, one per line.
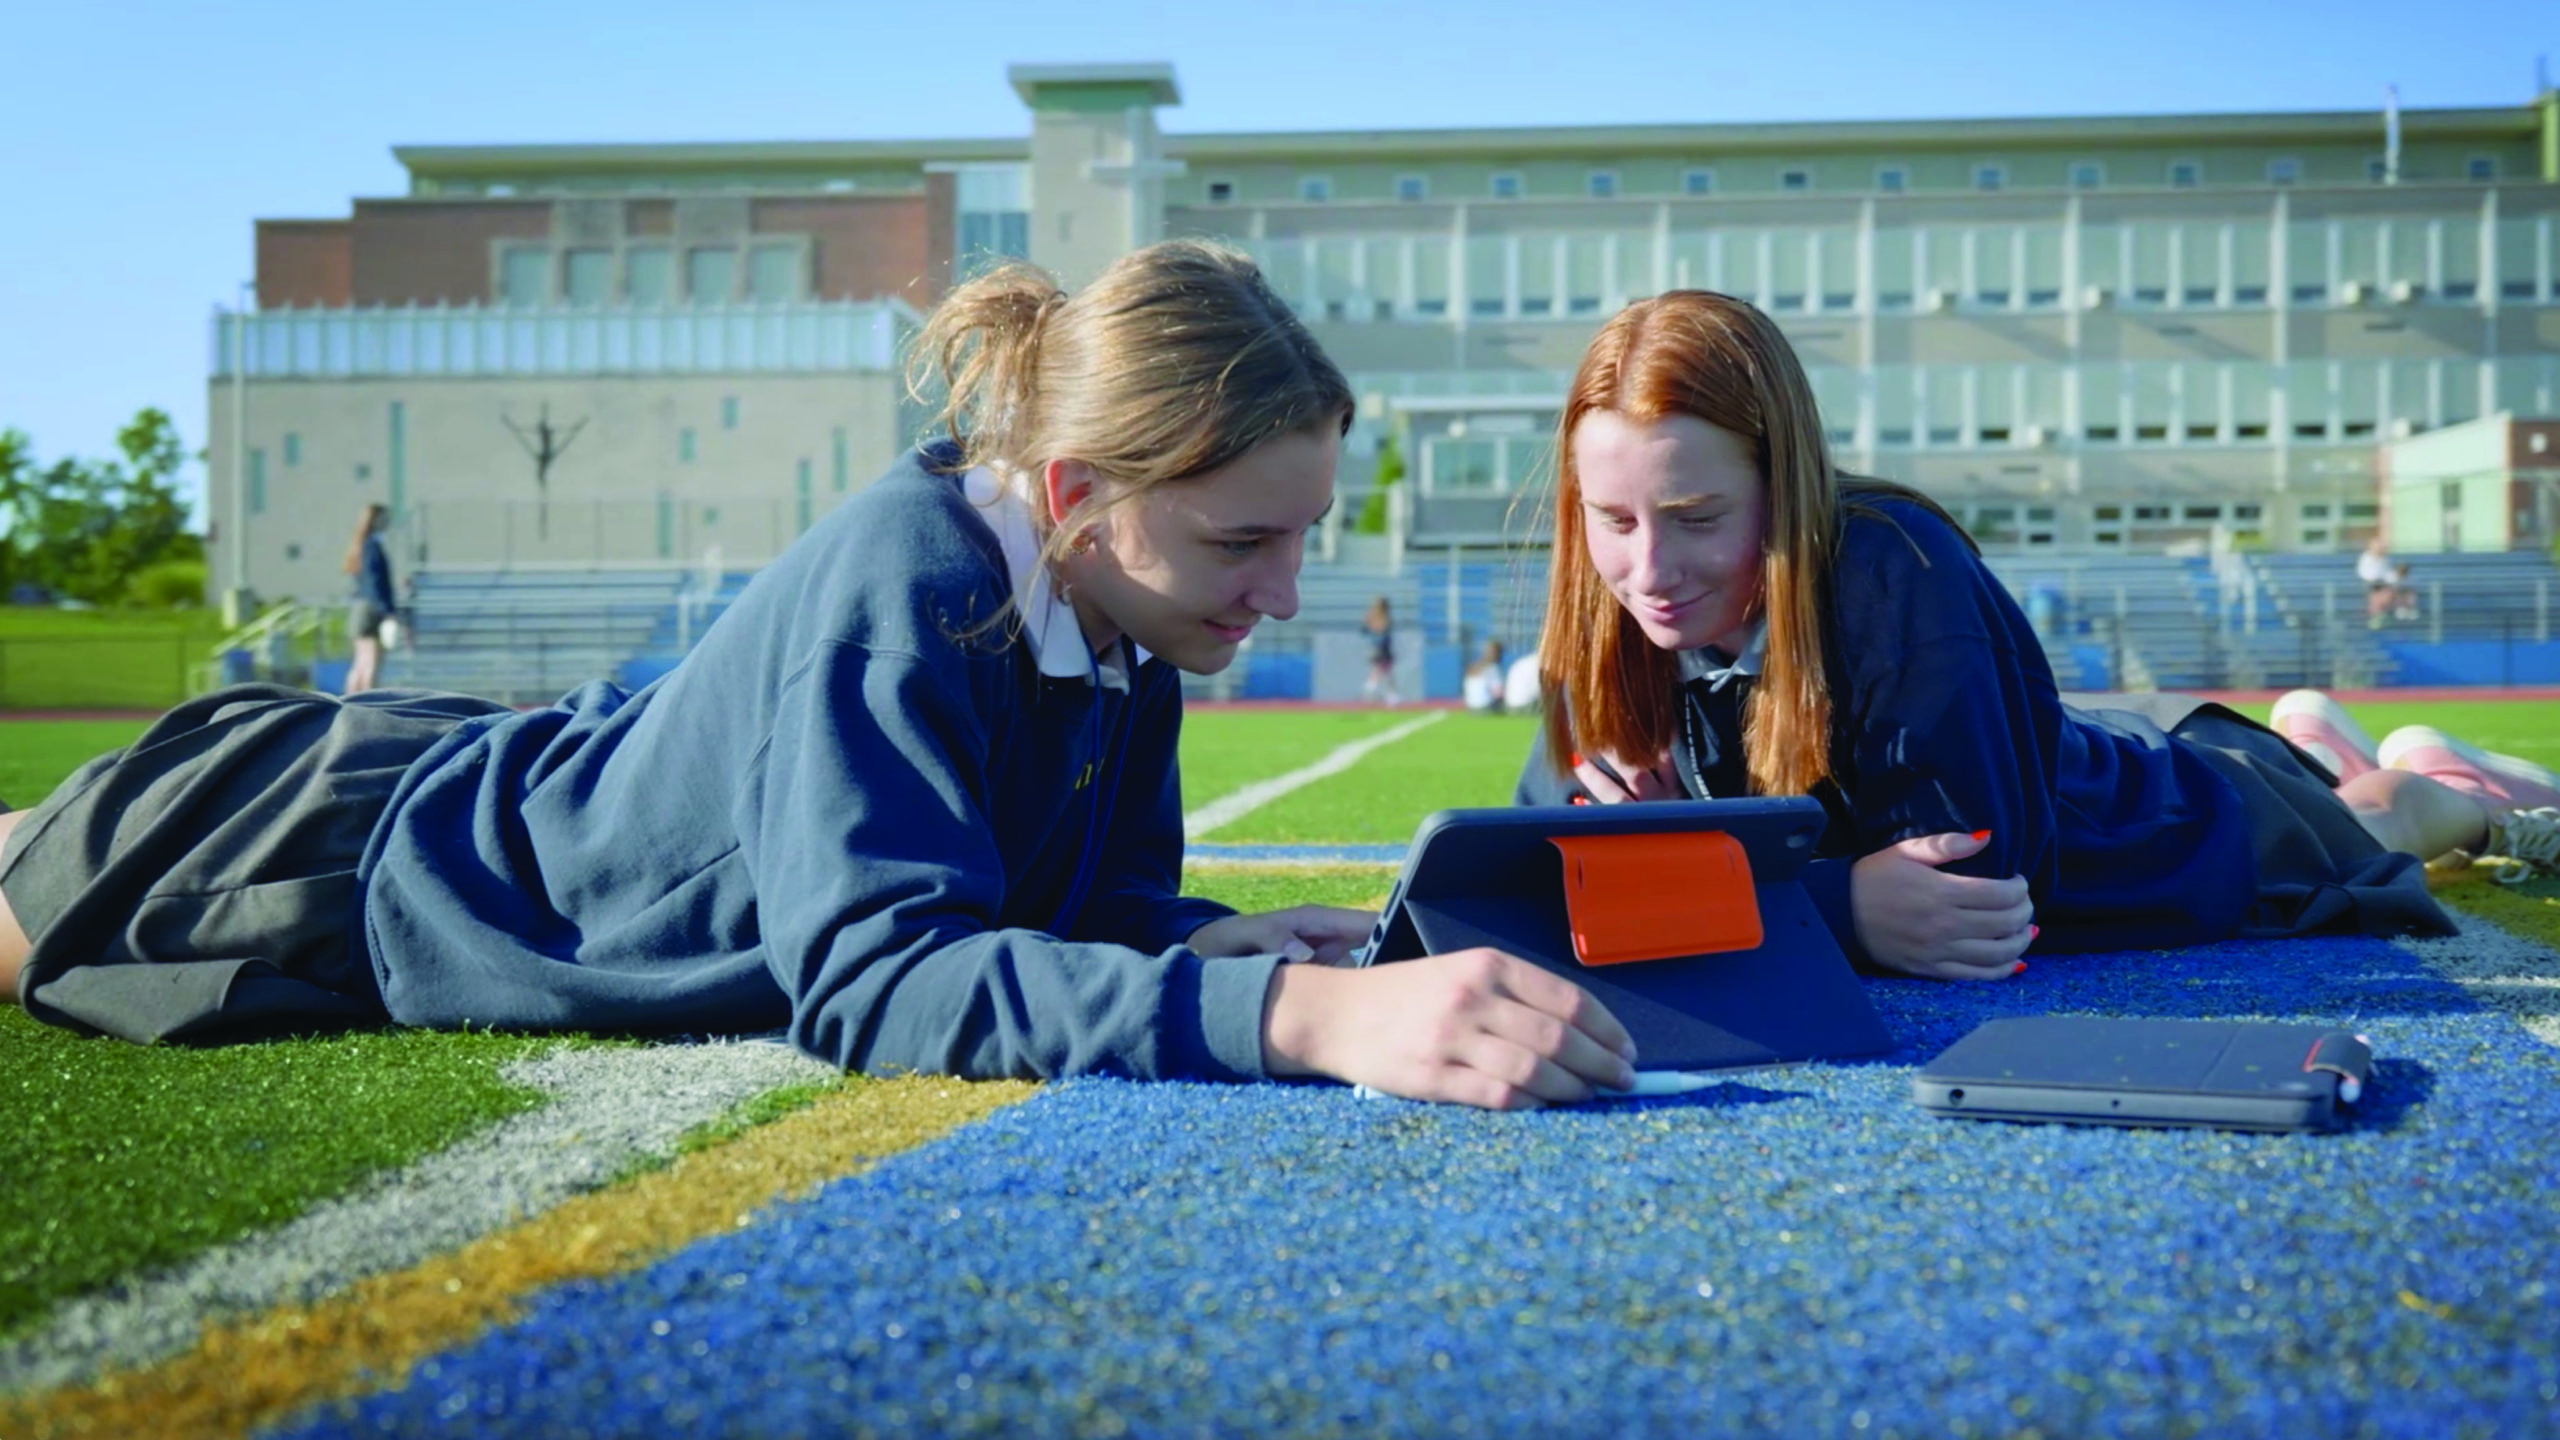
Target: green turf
(101,659)
(2526,728)
(36,755)
(1362,887)
(1225,750)
(117,1157)
(1464,760)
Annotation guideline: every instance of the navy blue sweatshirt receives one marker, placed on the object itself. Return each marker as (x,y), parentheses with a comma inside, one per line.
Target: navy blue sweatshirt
(373,577)
(1945,718)
(853,811)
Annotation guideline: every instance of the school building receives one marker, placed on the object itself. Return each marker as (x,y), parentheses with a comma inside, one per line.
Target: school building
(2084,335)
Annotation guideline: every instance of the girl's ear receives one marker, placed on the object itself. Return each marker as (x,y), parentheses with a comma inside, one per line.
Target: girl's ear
(1067,484)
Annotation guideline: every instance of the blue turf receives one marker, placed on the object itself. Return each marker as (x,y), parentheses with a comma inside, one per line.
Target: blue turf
(1794,1252)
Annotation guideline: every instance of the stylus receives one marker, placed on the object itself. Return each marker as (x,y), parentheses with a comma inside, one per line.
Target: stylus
(1648,1083)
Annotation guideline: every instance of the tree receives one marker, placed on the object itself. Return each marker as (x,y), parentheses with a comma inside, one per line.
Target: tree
(84,529)
(1373,514)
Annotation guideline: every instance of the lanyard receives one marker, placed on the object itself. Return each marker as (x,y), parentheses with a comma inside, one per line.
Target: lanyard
(1105,786)
(1692,758)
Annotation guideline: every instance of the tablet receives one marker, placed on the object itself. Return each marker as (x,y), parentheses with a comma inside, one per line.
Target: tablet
(1763,988)
(2090,1070)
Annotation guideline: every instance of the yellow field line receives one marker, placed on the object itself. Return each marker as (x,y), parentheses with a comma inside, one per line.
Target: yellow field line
(245,1375)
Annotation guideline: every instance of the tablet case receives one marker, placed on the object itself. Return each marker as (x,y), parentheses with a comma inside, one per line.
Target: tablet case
(1700,936)
(2228,1074)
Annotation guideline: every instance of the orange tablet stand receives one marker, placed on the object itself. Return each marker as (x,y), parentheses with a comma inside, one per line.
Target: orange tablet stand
(1658,896)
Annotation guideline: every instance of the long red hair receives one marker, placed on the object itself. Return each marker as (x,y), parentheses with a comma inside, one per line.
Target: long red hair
(1710,356)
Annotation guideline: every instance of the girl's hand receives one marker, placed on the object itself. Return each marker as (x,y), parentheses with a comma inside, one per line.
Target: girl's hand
(1474,1027)
(1323,933)
(1658,781)
(1918,919)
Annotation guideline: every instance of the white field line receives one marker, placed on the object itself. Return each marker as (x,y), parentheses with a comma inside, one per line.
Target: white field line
(608,1108)
(2503,971)
(1228,809)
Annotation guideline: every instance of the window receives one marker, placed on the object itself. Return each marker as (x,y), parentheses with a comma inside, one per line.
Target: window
(1413,187)
(728,412)
(710,275)
(1601,184)
(1697,182)
(1795,179)
(2284,170)
(590,276)
(1315,189)
(2185,174)
(1222,192)
(648,275)
(2377,169)
(292,449)
(1893,179)
(684,445)
(2480,167)
(524,276)
(1990,177)
(1506,185)
(773,273)
(2087,174)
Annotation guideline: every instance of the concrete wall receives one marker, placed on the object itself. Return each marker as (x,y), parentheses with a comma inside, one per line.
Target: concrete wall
(767,454)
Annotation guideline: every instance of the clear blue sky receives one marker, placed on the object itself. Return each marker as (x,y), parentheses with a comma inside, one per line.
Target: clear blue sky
(138,142)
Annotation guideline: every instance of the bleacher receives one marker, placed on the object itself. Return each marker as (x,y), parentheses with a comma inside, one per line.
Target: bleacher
(528,636)
(2108,621)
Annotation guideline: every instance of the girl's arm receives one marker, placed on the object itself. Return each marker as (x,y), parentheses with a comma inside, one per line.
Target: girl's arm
(879,891)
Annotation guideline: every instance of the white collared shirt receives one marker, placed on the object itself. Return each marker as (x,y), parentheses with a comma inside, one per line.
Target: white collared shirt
(1709,664)
(1049,623)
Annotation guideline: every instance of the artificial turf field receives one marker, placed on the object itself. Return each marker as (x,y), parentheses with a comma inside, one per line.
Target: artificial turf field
(483,1235)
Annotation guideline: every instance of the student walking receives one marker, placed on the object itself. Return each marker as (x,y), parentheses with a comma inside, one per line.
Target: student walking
(1730,615)
(912,800)
(375,612)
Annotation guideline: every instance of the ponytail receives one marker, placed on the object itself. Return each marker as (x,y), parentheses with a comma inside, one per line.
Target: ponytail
(980,350)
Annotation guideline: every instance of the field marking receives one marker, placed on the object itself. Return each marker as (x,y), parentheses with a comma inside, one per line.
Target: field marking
(242,1375)
(608,1107)
(1229,808)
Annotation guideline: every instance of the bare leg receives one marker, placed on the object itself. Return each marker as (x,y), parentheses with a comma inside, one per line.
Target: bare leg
(368,659)
(13,941)
(2410,813)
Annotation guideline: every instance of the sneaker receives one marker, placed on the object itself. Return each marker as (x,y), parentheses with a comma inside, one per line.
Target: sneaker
(2527,844)
(2510,782)
(2322,727)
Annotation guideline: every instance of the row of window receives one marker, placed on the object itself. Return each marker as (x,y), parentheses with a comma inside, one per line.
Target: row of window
(2034,407)
(2222,264)
(1888,179)
(639,273)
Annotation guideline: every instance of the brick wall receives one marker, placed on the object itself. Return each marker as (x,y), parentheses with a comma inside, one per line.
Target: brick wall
(305,262)
(867,245)
(410,254)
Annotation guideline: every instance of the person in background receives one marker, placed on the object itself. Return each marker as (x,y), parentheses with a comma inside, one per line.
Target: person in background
(1380,627)
(1483,683)
(2387,595)
(374,608)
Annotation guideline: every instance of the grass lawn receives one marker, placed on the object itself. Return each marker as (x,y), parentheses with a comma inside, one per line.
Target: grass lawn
(1464,760)
(121,1156)
(101,659)
(1225,750)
